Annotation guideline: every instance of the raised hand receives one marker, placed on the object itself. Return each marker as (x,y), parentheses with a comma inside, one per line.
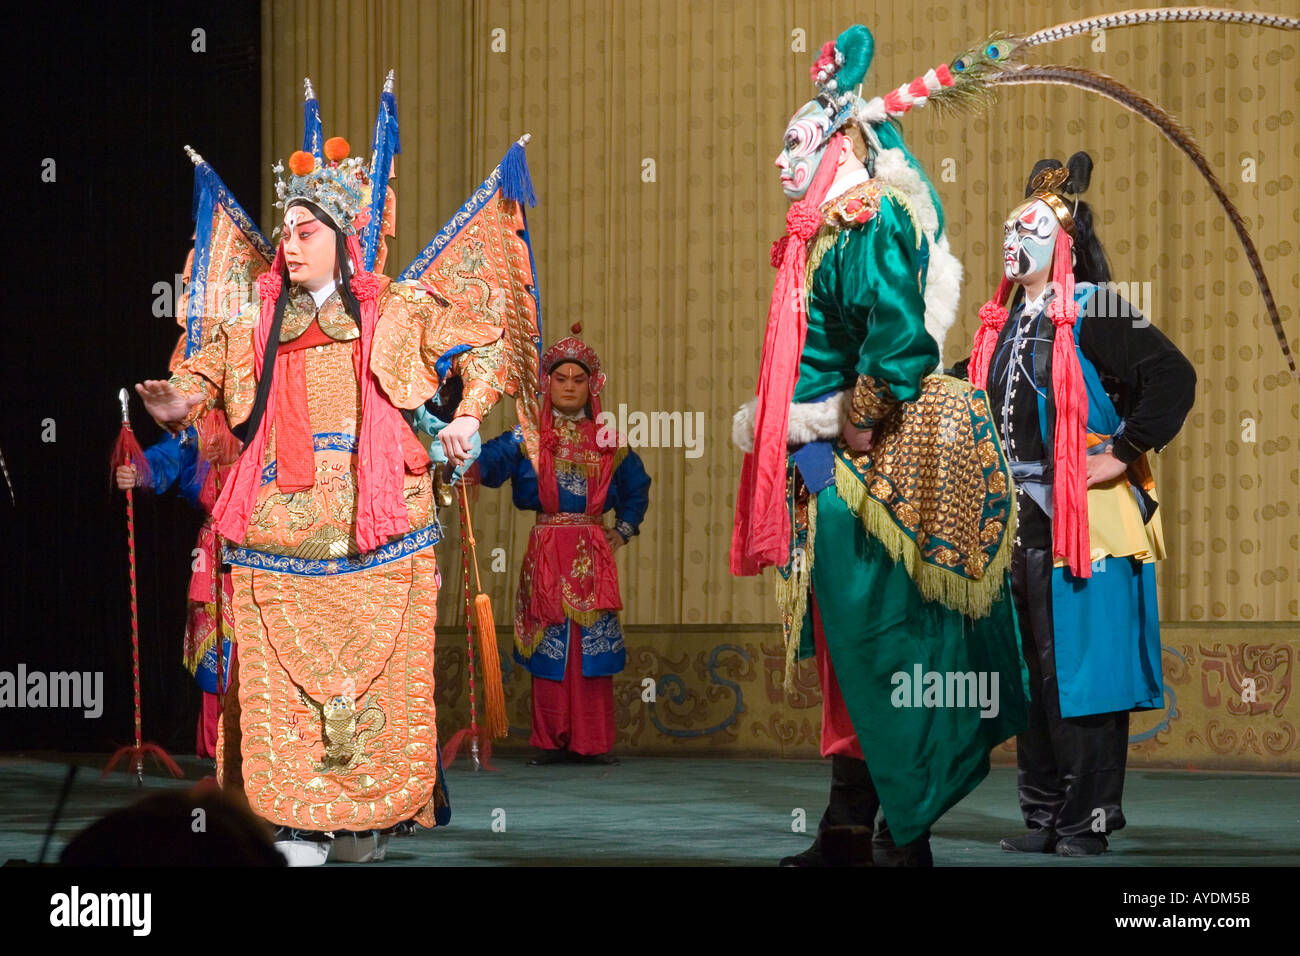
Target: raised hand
(167,405)
(125,476)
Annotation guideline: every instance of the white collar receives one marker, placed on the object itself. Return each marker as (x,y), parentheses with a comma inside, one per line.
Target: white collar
(844,183)
(323,293)
(1034,307)
(577,416)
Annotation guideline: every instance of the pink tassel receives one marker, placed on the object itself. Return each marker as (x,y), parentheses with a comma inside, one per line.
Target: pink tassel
(1070,483)
(761,535)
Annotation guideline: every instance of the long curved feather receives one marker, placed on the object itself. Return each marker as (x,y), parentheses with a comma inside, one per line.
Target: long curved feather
(1133,18)
(1177,134)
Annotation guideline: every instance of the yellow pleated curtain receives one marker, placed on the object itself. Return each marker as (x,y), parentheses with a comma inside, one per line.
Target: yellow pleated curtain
(654,128)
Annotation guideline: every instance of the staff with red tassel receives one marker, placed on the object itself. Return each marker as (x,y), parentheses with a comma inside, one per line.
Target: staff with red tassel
(479,614)
(127,451)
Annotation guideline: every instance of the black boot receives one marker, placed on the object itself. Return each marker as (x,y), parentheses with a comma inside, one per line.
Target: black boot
(542,758)
(886,853)
(853,804)
(1035,841)
(1085,844)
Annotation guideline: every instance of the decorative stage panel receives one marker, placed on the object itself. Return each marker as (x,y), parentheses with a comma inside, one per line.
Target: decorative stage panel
(717,690)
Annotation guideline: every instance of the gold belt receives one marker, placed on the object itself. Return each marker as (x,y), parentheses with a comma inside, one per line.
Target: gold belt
(568,518)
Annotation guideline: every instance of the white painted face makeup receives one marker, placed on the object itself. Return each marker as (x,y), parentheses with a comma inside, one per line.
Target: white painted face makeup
(310,250)
(1029,238)
(804,144)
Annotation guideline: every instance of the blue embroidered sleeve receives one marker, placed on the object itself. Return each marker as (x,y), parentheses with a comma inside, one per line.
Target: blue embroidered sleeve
(629,494)
(499,459)
(502,459)
(175,463)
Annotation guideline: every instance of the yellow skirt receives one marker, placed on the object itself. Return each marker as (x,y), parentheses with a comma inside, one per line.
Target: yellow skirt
(1115,528)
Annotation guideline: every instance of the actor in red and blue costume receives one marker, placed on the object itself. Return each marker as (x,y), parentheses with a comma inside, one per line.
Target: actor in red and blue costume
(567,631)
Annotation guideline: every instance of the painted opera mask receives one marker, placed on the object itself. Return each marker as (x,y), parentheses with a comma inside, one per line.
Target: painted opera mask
(1029,238)
(804,144)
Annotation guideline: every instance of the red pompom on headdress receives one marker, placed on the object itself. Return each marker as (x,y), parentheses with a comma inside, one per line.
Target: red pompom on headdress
(301,163)
(336,148)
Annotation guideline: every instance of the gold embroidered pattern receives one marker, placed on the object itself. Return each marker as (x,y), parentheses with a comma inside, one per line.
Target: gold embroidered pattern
(346,731)
(936,491)
(234,263)
(329,633)
(377,774)
(225,365)
(332,317)
(872,401)
(582,562)
(854,207)
(484,371)
(415,330)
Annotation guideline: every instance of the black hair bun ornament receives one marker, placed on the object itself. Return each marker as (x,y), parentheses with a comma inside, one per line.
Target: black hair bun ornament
(1080,166)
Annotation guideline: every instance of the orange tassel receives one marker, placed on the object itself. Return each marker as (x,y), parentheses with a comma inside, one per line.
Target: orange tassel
(494,704)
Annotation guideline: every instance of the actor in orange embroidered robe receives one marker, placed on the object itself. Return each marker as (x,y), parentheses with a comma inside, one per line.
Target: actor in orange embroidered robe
(331,722)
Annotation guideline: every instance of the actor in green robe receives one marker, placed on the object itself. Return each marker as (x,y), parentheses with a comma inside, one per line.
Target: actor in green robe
(878,488)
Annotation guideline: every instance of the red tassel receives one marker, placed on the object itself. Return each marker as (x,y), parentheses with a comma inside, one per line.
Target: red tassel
(127,451)
(217,444)
(993,316)
(451,747)
(463,738)
(1070,539)
(135,759)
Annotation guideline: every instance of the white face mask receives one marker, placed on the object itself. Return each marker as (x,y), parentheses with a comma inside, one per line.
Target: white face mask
(1029,239)
(801,153)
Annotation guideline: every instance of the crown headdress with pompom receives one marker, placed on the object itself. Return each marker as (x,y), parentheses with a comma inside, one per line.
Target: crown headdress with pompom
(573,349)
(337,183)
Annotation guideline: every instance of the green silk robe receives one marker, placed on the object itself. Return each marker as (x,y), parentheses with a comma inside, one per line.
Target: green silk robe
(867,318)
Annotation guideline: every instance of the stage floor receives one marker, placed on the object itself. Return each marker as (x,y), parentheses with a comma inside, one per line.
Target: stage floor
(677,811)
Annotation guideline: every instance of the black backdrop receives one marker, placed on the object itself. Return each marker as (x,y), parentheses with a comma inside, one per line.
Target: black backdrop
(111,93)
